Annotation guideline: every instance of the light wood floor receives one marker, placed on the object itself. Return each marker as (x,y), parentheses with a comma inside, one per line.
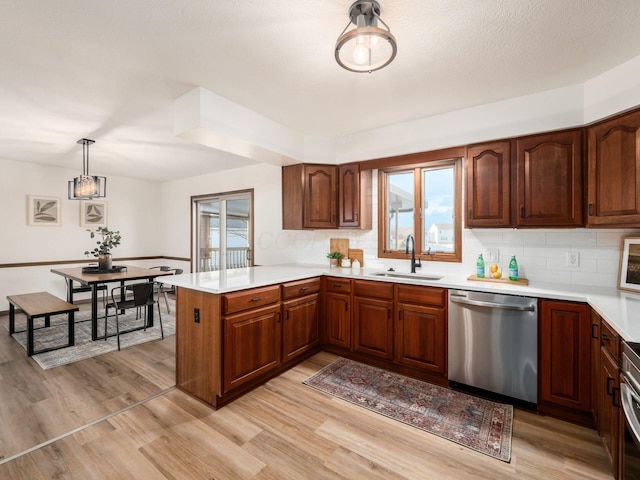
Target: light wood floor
(282,430)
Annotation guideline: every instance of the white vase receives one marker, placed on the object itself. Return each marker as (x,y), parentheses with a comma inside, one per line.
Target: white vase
(105,262)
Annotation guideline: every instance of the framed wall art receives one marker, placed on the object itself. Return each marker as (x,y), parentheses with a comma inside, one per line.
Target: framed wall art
(93,213)
(43,211)
(629,274)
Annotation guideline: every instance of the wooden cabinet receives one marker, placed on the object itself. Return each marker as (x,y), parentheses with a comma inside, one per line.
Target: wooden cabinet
(325,196)
(337,312)
(609,394)
(564,363)
(300,318)
(488,180)
(373,318)
(549,179)
(251,345)
(595,363)
(421,328)
(613,192)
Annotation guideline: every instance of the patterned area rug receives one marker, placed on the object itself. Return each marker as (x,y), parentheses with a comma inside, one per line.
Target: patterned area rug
(473,422)
(84,347)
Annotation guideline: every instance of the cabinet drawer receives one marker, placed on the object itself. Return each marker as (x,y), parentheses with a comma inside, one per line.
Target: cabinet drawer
(298,289)
(610,339)
(339,285)
(366,288)
(422,295)
(256,297)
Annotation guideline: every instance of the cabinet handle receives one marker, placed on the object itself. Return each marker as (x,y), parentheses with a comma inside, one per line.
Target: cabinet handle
(590,213)
(521,211)
(286,314)
(605,337)
(615,397)
(470,214)
(279,317)
(304,288)
(609,380)
(336,285)
(594,328)
(388,313)
(256,299)
(400,315)
(356,217)
(346,307)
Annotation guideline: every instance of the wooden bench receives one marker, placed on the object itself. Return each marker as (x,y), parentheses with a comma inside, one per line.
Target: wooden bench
(38,305)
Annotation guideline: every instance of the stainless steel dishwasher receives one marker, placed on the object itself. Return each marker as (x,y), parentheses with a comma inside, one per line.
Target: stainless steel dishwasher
(493,343)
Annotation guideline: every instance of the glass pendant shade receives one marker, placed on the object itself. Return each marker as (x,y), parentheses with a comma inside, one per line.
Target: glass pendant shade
(86,186)
(366,47)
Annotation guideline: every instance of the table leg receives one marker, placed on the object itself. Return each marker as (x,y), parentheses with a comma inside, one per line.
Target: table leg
(150,311)
(72,332)
(94,311)
(12,318)
(29,336)
(69,290)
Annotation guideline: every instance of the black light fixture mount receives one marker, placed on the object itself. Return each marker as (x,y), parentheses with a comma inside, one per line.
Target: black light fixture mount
(85,186)
(367,47)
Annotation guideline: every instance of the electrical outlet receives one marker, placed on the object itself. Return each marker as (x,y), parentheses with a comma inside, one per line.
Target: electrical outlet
(492,255)
(573,259)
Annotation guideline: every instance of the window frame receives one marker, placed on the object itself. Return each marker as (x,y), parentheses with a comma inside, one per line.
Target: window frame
(416,168)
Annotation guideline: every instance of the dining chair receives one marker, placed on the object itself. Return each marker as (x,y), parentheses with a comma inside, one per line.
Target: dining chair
(142,297)
(164,289)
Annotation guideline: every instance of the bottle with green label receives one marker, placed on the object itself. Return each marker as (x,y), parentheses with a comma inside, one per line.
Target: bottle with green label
(480,267)
(513,269)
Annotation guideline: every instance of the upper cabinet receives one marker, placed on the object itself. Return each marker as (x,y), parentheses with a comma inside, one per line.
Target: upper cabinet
(325,196)
(549,179)
(533,181)
(489,185)
(613,192)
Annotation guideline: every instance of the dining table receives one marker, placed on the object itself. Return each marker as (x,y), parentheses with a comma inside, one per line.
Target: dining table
(92,277)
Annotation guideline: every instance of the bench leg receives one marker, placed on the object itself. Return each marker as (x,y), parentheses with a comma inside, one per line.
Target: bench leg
(12,319)
(72,333)
(29,336)
(47,320)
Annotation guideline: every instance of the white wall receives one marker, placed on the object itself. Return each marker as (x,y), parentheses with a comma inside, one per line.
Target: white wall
(133,207)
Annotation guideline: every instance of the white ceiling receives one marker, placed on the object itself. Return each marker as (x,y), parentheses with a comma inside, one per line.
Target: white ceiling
(110,70)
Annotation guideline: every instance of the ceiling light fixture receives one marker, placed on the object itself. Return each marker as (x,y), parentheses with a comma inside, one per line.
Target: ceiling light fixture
(367,47)
(87,186)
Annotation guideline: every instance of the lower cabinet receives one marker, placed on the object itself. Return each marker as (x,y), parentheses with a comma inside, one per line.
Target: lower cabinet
(373,326)
(300,326)
(564,362)
(421,328)
(251,346)
(337,312)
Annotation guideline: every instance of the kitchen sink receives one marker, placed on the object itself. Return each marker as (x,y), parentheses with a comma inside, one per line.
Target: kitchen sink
(409,276)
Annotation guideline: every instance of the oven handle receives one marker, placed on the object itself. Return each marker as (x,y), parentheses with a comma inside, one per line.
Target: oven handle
(628,398)
(502,306)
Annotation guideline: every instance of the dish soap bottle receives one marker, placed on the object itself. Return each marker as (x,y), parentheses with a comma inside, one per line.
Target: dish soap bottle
(480,267)
(513,269)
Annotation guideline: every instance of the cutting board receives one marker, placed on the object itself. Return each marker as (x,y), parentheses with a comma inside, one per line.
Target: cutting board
(519,281)
(339,245)
(356,254)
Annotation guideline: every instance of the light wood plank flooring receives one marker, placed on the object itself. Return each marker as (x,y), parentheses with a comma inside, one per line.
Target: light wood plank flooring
(282,430)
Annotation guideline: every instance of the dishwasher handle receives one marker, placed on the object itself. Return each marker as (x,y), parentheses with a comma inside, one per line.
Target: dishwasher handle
(502,306)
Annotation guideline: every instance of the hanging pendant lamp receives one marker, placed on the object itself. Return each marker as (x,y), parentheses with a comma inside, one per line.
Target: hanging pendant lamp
(367,47)
(87,186)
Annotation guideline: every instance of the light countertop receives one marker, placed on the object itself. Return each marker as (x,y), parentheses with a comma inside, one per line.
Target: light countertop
(620,309)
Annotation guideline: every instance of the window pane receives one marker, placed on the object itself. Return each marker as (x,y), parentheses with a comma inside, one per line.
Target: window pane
(209,236)
(438,232)
(400,203)
(237,232)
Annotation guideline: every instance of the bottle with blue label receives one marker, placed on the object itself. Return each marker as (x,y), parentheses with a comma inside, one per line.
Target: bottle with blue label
(480,267)
(513,269)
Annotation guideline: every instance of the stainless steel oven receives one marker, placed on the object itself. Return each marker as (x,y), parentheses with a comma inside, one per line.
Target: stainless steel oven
(630,394)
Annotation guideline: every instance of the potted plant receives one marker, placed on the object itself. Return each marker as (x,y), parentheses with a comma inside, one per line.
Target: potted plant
(334,258)
(110,240)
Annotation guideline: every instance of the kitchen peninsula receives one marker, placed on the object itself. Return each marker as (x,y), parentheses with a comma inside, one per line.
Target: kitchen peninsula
(237,328)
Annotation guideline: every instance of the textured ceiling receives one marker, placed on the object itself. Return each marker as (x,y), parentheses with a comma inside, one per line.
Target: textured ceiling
(110,70)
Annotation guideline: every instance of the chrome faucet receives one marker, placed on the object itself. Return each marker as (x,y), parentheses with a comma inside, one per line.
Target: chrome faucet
(414,264)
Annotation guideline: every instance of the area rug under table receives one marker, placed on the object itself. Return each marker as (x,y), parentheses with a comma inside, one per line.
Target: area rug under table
(84,347)
(473,422)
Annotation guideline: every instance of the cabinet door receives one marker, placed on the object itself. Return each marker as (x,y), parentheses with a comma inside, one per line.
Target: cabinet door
(564,376)
(252,343)
(614,171)
(549,179)
(595,363)
(320,196)
(299,326)
(488,185)
(373,327)
(608,406)
(421,338)
(338,320)
(349,195)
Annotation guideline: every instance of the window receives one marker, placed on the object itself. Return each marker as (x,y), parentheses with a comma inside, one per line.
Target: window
(222,227)
(424,201)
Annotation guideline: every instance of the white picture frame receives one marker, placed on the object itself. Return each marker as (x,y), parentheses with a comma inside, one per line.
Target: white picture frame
(629,272)
(43,211)
(93,213)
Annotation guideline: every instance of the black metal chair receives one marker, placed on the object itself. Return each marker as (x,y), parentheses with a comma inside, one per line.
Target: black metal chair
(164,289)
(142,297)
